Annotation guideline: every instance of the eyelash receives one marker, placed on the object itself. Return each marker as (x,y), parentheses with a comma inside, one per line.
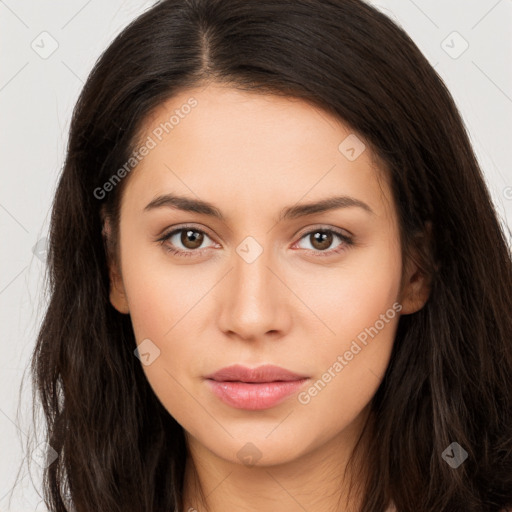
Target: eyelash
(347,241)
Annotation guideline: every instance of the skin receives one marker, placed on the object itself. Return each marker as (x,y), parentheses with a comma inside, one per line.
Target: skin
(251,156)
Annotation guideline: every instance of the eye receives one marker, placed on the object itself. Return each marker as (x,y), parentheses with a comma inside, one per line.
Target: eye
(321,239)
(189,237)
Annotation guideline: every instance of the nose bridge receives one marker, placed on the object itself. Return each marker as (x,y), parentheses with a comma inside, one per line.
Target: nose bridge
(252,279)
(253,305)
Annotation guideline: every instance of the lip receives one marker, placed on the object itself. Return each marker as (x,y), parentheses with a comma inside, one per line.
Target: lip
(260,374)
(254,388)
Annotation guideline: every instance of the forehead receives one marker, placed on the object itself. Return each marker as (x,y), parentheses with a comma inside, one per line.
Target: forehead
(217,141)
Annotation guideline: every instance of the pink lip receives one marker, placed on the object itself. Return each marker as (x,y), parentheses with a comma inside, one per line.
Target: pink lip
(254,388)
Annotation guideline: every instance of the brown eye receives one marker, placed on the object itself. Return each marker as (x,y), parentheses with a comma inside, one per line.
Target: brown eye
(185,241)
(321,240)
(191,239)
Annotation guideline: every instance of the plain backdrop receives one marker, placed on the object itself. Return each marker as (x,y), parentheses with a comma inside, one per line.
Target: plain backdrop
(48,50)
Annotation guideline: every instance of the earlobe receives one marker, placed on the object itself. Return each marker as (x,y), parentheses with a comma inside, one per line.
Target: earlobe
(416,293)
(417,283)
(117,292)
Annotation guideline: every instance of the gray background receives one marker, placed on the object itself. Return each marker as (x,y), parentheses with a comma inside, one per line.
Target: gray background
(37,94)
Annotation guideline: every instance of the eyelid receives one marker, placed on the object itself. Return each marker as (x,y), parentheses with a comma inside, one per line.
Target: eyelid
(347,240)
(323,227)
(181,227)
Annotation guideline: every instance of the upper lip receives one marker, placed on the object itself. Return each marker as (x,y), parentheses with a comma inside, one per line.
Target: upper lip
(265,373)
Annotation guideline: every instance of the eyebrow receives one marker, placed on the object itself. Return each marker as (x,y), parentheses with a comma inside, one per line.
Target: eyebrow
(291,212)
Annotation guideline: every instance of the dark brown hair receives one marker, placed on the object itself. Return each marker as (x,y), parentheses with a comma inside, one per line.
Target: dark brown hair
(449,378)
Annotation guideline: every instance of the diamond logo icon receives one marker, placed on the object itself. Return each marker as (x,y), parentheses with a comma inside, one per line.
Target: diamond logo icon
(40,249)
(249,249)
(44,45)
(454,45)
(44,455)
(455,455)
(147,352)
(352,147)
(249,454)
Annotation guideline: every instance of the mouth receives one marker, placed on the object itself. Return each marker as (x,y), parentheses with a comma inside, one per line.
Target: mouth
(254,389)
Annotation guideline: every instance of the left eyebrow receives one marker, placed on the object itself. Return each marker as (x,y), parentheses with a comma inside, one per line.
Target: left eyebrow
(291,212)
(331,203)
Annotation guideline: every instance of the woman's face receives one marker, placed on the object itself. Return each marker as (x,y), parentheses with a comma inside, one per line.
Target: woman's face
(260,277)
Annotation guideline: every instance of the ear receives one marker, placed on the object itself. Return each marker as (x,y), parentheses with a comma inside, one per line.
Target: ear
(117,292)
(416,283)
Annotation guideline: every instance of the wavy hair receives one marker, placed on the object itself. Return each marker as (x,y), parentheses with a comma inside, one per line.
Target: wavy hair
(449,377)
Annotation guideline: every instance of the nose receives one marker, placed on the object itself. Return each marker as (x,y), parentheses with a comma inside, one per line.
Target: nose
(254,298)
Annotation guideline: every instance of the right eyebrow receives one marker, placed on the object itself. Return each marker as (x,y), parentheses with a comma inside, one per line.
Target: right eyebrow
(186,204)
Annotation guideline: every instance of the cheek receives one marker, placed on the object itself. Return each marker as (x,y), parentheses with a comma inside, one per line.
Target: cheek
(352,297)
(350,371)
(162,300)
(360,307)
(163,311)
(160,293)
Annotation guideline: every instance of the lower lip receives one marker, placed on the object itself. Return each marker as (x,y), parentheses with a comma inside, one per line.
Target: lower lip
(254,396)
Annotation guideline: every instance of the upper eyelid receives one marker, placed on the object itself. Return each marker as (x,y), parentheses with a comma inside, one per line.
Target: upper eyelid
(173,231)
(323,227)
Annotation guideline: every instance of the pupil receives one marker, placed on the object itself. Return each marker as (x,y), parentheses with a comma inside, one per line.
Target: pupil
(323,239)
(191,237)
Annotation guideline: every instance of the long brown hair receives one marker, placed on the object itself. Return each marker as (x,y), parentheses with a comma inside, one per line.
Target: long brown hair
(449,378)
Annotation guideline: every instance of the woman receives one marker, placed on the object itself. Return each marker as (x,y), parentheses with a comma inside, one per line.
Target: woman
(278,281)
